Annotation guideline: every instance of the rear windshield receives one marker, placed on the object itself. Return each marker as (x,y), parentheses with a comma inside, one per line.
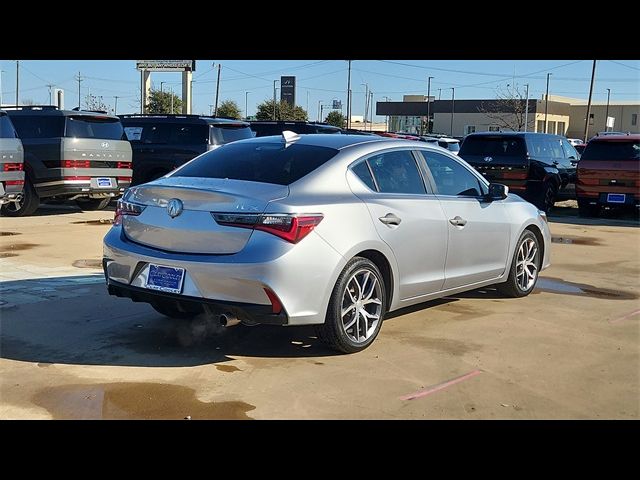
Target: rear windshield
(612,151)
(94,127)
(6,128)
(493,146)
(258,162)
(167,133)
(222,134)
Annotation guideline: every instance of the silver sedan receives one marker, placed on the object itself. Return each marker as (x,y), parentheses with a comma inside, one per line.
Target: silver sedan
(331,230)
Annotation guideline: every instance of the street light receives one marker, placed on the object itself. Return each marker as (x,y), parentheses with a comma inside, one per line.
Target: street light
(428,105)
(453,103)
(366,101)
(246,108)
(319,112)
(606,115)
(386,122)
(546,104)
(526,109)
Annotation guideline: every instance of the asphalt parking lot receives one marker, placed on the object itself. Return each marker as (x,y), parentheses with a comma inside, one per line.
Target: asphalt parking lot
(69,351)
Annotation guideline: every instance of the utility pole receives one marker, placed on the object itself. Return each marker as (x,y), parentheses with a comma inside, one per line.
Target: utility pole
(318,111)
(115,108)
(49,85)
(386,120)
(1,72)
(246,105)
(526,109)
(349,97)
(17,81)
(307,102)
(215,112)
(429,104)
(586,120)
(439,93)
(79,79)
(606,115)
(371,106)
(274,98)
(453,109)
(546,104)
(171,100)
(366,103)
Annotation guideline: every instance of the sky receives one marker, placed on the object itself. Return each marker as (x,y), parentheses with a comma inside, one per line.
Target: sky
(321,80)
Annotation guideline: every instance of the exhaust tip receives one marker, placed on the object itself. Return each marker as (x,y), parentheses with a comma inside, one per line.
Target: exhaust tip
(228,320)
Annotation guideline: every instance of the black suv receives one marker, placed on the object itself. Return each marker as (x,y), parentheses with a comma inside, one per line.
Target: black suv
(70,155)
(539,167)
(161,143)
(264,128)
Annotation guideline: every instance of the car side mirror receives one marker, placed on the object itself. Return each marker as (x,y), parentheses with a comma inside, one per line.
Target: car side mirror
(497,191)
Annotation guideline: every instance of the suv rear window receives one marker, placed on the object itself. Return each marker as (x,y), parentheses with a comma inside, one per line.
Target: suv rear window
(83,126)
(494,146)
(6,128)
(38,126)
(221,134)
(612,151)
(258,162)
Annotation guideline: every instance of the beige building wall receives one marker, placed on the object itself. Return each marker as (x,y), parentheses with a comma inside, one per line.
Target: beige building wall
(556,124)
(465,123)
(625,116)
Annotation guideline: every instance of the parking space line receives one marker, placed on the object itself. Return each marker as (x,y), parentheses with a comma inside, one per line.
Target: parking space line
(441,386)
(624,317)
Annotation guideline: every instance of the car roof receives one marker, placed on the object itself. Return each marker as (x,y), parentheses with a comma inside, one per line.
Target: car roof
(289,122)
(617,138)
(511,134)
(334,141)
(52,110)
(180,118)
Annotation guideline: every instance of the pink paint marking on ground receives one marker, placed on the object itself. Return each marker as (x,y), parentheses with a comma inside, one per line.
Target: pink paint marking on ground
(440,386)
(624,317)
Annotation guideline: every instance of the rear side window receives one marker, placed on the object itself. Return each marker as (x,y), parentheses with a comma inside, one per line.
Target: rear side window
(221,134)
(258,162)
(494,146)
(545,146)
(363,173)
(397,172)
(188,134)
(94,127)
(6,128)
(38,126)
(614,151)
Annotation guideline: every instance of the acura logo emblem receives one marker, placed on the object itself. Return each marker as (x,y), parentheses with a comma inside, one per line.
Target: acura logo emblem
(104,144)
(174,207)
(488,159)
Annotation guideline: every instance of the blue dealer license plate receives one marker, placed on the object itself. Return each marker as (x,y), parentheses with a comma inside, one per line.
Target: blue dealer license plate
(616,197)
(165,279)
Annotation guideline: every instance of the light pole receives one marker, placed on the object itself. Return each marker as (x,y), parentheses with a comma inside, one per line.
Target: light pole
(439,93)
(586,120)
(386,120)
(307,102)
(371,105)
(1,71)
(526,109)
(366,101)
(246,105)
(115,108)
(18,83)
(453,109)
(429,104)
(546,104)
(215,112)
(606,115)
(319,113)
(349,97)
(274,98)
(162,83)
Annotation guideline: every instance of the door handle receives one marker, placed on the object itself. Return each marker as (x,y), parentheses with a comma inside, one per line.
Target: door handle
(457,221)
(390,219)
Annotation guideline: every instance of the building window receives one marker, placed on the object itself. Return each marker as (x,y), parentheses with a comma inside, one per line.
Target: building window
(634,119)
(540,127)
(469,129)
(561,128)
(551,127)
(494,128)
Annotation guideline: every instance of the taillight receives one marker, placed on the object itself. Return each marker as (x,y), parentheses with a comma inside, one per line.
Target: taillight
(124,165)
(13,167)
(124,179)
(126,208)
(14,182)
(290,227)
(76,163)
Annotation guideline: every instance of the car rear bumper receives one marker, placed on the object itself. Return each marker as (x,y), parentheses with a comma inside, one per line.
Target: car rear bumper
(71,188)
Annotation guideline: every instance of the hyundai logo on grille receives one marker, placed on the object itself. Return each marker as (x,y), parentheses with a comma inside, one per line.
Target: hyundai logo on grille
(104,144)
(488,159)
(174,207)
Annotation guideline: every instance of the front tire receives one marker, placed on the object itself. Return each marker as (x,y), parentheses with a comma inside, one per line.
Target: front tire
(91,204)
(26,206)
(525,267)
(356,307)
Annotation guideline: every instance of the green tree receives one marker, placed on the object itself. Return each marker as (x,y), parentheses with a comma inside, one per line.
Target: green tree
(160,102)
(284,111)
(93,102)
(336,119)
(229,109)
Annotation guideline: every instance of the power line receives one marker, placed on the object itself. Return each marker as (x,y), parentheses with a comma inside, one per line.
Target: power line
(624,65)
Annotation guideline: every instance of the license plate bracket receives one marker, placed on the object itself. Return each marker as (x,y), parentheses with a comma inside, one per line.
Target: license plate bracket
(165,279)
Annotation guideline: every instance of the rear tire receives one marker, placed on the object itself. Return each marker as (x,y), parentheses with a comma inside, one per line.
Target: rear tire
(356,308)
(171,311)
(586,210)
(525,267)
(91,204)
(27,206)
(547,197)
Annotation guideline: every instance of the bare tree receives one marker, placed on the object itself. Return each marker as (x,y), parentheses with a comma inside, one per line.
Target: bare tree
(508,110)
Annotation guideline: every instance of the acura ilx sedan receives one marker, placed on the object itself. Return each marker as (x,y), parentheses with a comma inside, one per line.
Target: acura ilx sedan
(330,230)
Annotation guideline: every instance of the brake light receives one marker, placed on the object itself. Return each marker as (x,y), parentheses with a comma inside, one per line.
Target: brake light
(290,227)
(124,179)
(13,167)
(76,163)
(14,182)
(124,165)
(126,208)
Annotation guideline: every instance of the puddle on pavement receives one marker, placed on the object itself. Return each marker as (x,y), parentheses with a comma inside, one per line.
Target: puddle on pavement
(228,368)
(18,246)
(102,221)
(569,240)
(557,285)
(84,263)
(8,254)
(8,234)
(130,401)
